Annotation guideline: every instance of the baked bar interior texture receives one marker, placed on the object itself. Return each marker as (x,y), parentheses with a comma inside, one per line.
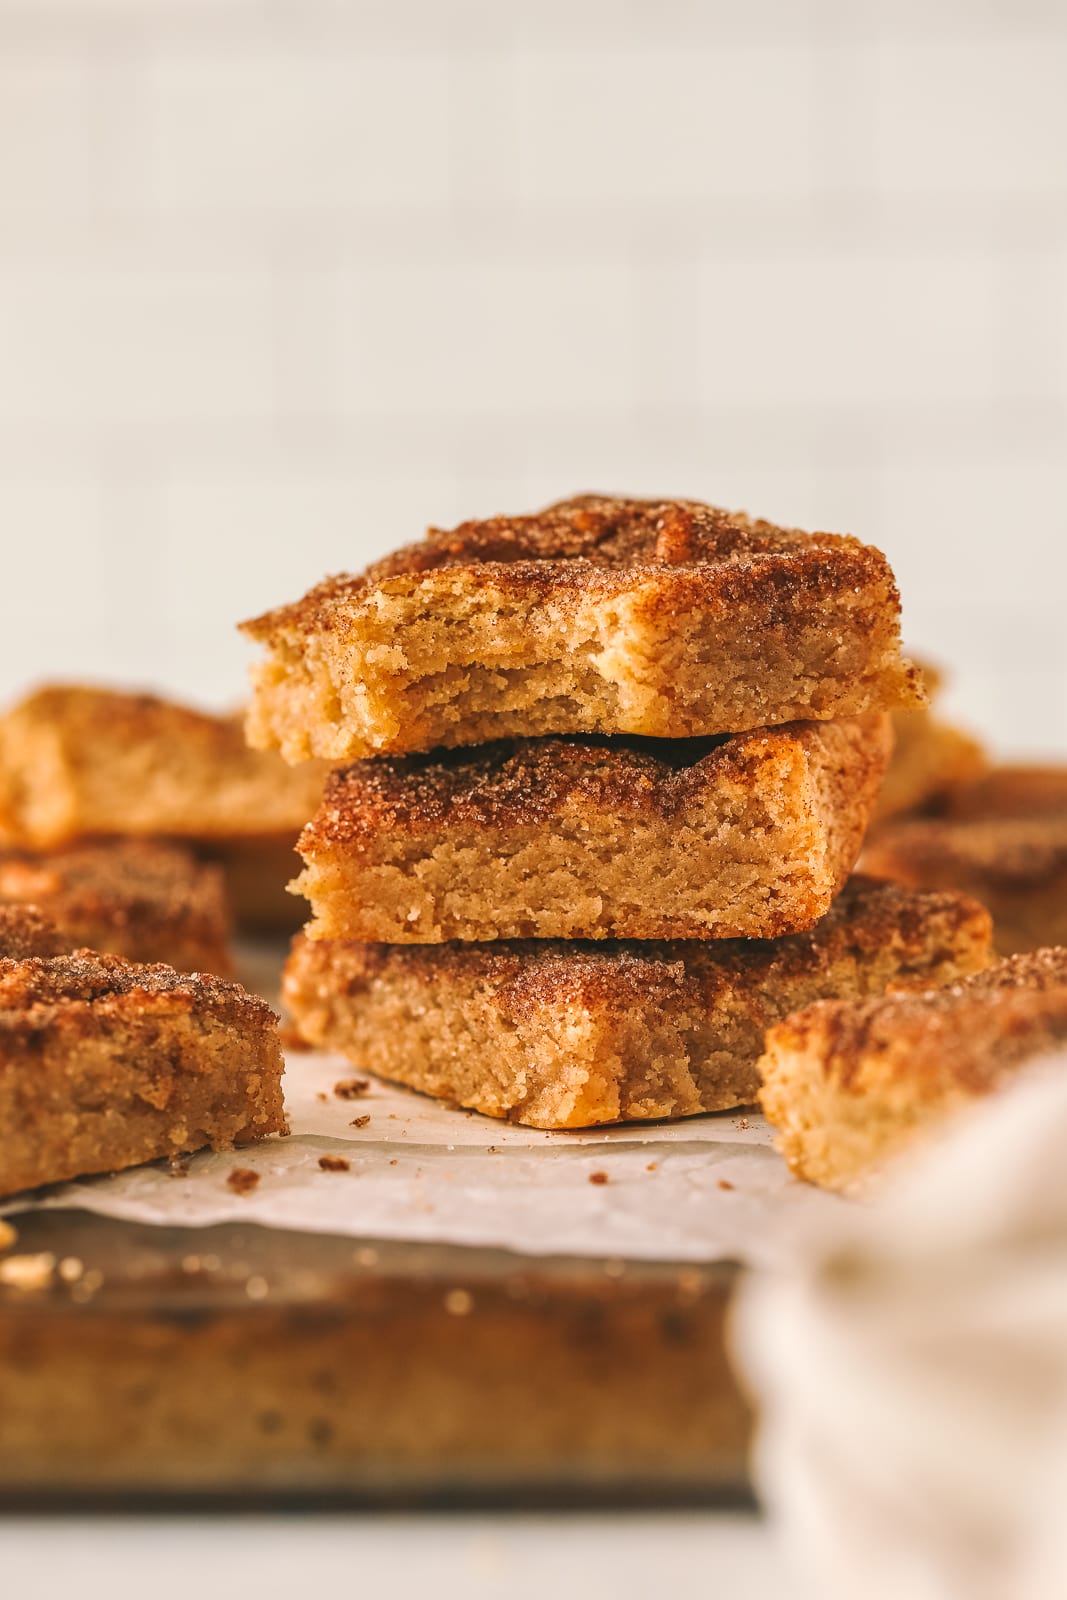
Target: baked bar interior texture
(1004,840)
(748,836)
(105,1064)
(598,615)
(850,1084)
(145,901)
(559,1034)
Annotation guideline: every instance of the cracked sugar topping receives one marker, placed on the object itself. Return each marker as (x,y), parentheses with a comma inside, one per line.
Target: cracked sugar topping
(32,989)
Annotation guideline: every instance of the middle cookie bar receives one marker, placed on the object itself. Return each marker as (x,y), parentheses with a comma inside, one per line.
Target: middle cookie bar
(749,836)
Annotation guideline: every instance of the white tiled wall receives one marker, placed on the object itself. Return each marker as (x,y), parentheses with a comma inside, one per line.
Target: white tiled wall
(281,281)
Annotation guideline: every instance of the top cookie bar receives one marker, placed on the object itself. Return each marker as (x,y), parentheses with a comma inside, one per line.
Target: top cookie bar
(597,615)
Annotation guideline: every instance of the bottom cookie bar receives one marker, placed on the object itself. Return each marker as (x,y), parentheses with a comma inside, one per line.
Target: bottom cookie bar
(560,1034)
(105,1064)
(849,1085)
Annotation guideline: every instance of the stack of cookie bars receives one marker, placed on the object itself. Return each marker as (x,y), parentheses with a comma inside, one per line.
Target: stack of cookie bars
(609,768)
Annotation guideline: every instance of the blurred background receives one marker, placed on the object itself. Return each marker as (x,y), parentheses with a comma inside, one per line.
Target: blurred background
(283,281)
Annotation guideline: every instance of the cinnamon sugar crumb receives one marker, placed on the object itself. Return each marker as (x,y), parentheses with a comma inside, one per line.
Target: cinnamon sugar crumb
(652,1165)
(351,1088)
(742,1124)
(724,1183)
(334,1164)
(598,1177)
(242,1180)
(359,1122)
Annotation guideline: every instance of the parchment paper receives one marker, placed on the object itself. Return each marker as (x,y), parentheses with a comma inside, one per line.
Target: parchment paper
(704,1189)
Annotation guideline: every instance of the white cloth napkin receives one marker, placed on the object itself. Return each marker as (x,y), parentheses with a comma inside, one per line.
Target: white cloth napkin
(911,1369)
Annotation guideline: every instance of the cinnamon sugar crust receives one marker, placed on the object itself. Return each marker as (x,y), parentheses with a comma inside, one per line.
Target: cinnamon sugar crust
(559,1034)
(848,1084)
(666,618)
(748,836)
(105,1064)
(148,902)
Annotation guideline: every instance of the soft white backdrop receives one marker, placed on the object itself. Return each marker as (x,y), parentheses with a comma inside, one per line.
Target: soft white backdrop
(281,281)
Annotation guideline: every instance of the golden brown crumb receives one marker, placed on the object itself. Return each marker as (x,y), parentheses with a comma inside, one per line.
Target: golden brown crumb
(351,1088)
(724,1183)
(334,1164)
(359,1122)
(599,614)
(242,1180)
(598,1177)
(745,837)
